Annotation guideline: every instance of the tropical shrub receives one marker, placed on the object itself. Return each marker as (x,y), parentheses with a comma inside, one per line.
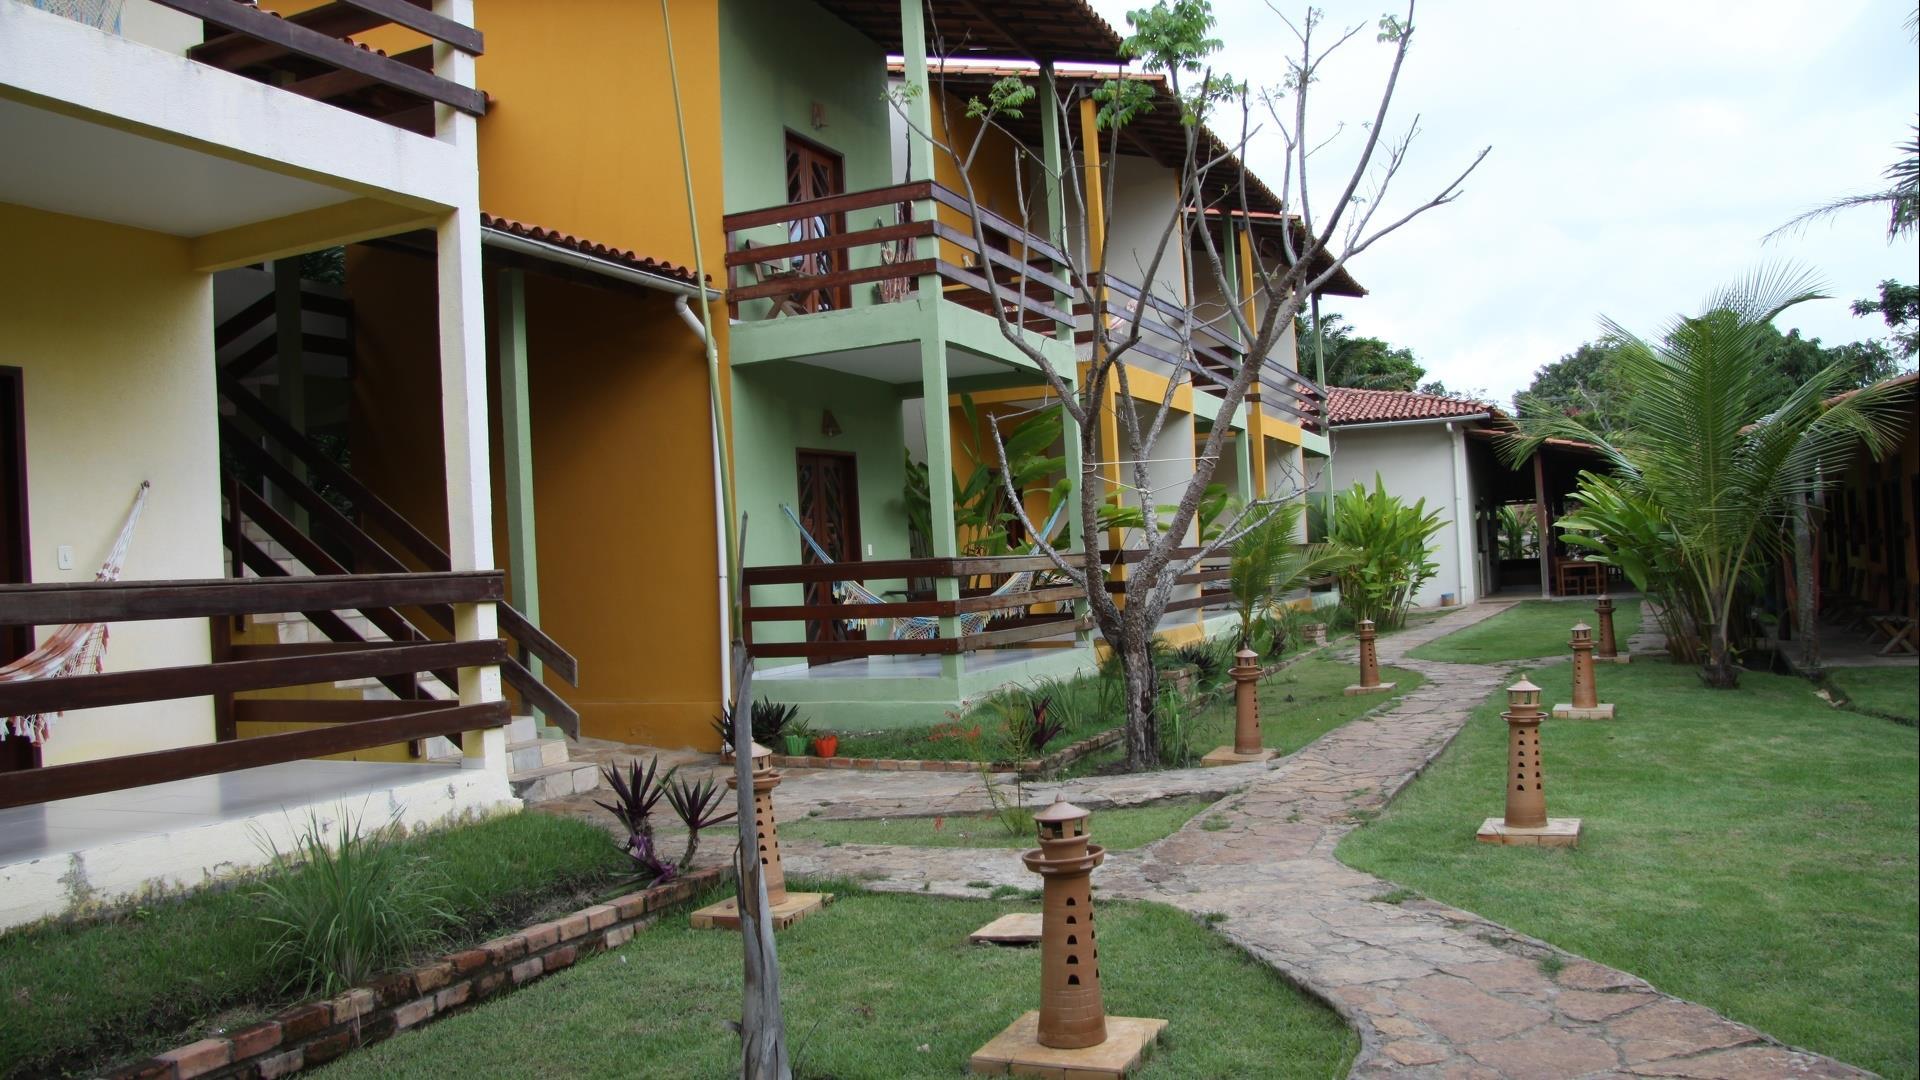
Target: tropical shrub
(1390,547)
(984,517)
(1267,563)
(1706,482)
(340,913)
(1517,532)
(637,793)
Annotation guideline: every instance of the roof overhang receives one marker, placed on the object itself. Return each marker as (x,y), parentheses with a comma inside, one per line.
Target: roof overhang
(1042,30)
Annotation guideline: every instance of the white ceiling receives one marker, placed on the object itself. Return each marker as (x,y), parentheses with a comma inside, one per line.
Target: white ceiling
(900,362)
(71,166)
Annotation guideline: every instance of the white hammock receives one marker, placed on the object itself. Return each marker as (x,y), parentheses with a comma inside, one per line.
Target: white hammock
(70,650)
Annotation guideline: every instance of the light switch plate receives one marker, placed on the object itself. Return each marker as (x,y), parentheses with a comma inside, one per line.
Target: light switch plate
(65,556)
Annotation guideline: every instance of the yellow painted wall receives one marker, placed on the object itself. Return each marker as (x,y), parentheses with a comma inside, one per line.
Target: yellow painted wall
(995,173)
(623,480)
(114,333)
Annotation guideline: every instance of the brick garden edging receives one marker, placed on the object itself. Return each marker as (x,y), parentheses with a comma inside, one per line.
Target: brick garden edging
(1058,759)
(317,1032)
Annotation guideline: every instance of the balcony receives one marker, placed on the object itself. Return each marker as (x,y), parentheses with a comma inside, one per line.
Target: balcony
(805,285)
(1213,358)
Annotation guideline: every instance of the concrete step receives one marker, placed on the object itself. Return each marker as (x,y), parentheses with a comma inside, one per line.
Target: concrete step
(555,781)
(533,753)
(522,729)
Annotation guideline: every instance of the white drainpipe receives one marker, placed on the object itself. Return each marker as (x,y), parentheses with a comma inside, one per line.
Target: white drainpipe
(1463,524)
(693,322)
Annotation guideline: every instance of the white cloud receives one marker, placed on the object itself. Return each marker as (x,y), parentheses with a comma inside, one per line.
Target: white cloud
(1641,150)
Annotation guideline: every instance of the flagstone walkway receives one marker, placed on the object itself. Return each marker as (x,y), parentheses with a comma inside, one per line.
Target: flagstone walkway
(1433,991)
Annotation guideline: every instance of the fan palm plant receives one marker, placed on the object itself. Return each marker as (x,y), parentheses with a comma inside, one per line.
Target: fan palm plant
(1709,477)
(1268,561)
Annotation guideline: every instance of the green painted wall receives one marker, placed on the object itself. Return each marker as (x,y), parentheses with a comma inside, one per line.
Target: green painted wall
(776,412)
(777,59)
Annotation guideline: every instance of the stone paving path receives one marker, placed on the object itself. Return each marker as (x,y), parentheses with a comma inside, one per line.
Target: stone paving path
(1433,991)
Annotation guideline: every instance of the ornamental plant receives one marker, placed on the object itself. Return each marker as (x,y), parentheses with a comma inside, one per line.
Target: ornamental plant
(1390,547)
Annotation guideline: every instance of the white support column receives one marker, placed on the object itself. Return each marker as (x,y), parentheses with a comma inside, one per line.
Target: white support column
(463,391)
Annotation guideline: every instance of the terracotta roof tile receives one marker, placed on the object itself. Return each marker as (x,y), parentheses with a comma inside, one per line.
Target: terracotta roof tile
(629,259)
(1346,405)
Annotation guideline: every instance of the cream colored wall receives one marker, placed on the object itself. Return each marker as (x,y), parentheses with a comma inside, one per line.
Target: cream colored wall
(163,28)
(114,334)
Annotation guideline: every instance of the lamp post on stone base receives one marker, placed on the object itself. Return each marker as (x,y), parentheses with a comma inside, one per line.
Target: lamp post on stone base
(1246,715)
(1071,1033)
(1369,664)
(785,908)
(1526,820)
(1586,696)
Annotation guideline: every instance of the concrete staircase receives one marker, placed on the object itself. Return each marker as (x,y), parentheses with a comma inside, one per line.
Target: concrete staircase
(538,757)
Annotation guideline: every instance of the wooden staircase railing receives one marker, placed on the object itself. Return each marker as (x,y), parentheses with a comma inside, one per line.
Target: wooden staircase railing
(327,518)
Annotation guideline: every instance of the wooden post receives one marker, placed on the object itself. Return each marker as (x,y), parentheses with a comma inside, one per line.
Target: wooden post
(463,395)
(1545,524)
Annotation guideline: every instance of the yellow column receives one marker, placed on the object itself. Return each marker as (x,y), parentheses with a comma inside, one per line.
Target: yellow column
(1096,225)
(1256,420)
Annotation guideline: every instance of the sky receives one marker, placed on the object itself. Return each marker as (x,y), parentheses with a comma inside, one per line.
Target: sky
(1641,151)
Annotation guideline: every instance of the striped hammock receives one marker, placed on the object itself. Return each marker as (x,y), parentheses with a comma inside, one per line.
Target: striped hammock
(70,650)
(921,627)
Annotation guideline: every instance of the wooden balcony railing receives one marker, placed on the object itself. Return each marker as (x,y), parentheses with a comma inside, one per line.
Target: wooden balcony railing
(113,602)
(1013,620)
(311,53)
(1214,356)
(805,268)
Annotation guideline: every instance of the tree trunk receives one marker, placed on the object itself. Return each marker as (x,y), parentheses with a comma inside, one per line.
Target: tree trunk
(1143,726)
(1720,671)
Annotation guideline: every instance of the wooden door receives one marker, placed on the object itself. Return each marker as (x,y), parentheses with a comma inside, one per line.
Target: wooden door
(814,172)
(829,508)
(15,641)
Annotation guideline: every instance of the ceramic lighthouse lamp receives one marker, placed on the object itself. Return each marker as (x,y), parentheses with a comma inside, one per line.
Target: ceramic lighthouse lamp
(1071,1033)
(1526,820)
(1369,663)
(1586,694)
(785,908)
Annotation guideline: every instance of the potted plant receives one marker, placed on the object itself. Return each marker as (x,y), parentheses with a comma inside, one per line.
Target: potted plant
(825,744)
(796,735)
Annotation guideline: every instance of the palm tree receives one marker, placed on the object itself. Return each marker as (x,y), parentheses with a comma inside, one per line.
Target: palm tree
(1267,561)
(1697,452)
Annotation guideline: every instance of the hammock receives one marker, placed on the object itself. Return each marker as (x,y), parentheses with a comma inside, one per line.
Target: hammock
(920,627)
(70,650)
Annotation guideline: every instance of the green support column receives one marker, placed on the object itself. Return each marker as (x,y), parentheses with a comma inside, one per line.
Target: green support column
(516,446)
(1052,160)
(933,345)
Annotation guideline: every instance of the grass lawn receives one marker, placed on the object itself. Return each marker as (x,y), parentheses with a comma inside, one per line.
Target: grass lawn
(83,995)
(881,986)
(1298,704)
(1118,829)
(1529,629)
(1890,692)
(1752,850)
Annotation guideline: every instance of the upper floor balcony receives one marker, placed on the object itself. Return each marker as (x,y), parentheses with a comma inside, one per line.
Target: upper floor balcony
(839,282)
(250,134)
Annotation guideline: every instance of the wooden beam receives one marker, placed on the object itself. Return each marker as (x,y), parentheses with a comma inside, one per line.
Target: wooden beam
(295,38)
(416,15)
(50,604)
(199,680)
(31,786)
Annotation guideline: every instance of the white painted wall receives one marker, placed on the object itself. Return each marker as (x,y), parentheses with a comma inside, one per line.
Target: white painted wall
(1418,462)
(114,334)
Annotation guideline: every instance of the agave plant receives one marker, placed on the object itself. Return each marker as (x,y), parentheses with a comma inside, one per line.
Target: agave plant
(1710,480)
(770,720)
(697,803)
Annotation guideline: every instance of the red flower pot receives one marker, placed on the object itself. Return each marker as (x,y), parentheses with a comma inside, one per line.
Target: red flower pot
(825,745)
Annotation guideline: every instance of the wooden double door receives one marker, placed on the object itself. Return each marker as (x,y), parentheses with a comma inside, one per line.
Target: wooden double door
(829,509)
(815,172)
